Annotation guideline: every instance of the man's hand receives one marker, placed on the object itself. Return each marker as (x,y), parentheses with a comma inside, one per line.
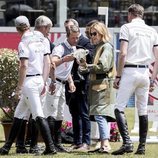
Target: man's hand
(68,58)
(52,88)
(152,87)
(72,87)
(117,82)
(17,93)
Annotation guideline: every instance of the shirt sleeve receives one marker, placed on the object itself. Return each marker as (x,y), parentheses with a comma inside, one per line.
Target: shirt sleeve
(47,46)
(23,51)
(58,51)
(124,33)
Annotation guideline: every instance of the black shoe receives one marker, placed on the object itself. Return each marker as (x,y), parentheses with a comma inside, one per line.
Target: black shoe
(125,148)
(34,150)
(4,151)
(140,150)
(60,148)
(49,152)
(21,150)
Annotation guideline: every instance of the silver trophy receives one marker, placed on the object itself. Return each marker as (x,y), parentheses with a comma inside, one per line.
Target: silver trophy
(80,54)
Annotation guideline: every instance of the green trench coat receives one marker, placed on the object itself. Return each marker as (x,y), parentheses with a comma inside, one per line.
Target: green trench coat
(101,92)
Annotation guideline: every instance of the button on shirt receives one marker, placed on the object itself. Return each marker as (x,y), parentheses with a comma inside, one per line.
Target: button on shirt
(32,48)
(62,71)
(141,39)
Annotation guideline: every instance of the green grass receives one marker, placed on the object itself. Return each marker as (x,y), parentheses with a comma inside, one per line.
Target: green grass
(151,149)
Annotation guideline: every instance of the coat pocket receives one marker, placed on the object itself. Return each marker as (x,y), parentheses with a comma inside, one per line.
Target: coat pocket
(100,87)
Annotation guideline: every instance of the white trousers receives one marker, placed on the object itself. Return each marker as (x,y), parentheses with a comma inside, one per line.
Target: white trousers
(134,80)
(54,104)
(30,102)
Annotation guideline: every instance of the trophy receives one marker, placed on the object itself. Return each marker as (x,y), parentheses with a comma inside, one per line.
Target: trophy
(80,54)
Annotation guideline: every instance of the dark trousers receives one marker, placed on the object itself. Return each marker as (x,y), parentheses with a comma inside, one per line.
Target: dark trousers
(79,110)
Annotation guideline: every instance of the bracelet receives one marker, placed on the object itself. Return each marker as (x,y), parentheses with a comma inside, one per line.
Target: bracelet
(118,76)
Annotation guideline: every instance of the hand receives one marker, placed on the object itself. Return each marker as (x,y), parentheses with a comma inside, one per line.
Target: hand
(18,93)
(68,58)
(52,88)
(116,83)
(53,66)
(43,90)
(72,87)
(152,87)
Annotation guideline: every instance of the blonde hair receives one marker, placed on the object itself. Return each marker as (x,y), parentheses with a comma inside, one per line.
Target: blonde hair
(102,30)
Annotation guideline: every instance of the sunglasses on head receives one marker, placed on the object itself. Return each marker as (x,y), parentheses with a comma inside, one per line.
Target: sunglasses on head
(93,34)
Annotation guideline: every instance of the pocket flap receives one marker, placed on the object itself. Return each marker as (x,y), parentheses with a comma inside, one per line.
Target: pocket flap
(99,87)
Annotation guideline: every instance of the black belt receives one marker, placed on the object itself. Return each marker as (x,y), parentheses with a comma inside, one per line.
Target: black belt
(33,75)
(137,66)
(63,82)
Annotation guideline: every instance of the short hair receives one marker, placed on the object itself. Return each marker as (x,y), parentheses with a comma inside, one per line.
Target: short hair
(102,30)
(71,20)
(136,10)
(43,21)
(22,23)
(72,29)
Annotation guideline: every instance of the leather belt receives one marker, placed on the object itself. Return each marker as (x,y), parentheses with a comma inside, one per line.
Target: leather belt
(137,66)
(33,75)
(61,81)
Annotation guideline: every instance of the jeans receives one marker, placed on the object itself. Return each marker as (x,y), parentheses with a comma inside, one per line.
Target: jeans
(103,127)
(80,117)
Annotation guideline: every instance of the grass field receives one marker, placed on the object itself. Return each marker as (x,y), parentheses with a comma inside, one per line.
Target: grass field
(151,149)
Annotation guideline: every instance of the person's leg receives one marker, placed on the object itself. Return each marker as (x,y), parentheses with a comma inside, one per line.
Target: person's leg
(16,126)
(104,133)
(34,137)
(34,103)
(141,102)
(61,102)
(84,114)
(76,121)
(20,142)
(123,96)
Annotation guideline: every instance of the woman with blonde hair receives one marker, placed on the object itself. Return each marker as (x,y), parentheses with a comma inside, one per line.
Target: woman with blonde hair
(101,97)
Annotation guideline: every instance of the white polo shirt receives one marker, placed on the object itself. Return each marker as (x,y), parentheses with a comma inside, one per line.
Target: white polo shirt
(63,71)
(141,39)
(32,48)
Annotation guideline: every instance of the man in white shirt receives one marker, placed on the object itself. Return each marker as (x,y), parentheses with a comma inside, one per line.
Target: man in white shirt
(54,106)
(33,73)
(138,44)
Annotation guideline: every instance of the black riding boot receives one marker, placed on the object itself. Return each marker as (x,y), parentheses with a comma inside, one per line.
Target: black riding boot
(20,142)
(127,146)
(143,129)
(34,149)
(57,136)
(46,135)
(51,123)
(12,135)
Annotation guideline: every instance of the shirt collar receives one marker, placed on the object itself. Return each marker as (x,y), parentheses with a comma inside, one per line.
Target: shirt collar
(138,20)
(69,46)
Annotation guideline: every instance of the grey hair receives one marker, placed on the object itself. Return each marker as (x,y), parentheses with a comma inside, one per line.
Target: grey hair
(72,20)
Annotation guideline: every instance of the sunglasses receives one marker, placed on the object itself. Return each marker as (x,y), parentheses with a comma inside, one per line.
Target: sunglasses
(93,34)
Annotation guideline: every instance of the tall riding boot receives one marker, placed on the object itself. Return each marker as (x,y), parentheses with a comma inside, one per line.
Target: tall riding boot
(51,123)
(46,135)
(12,135)
(127,146)
(20,142)
(34,149)
(143,129)
(57,136)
